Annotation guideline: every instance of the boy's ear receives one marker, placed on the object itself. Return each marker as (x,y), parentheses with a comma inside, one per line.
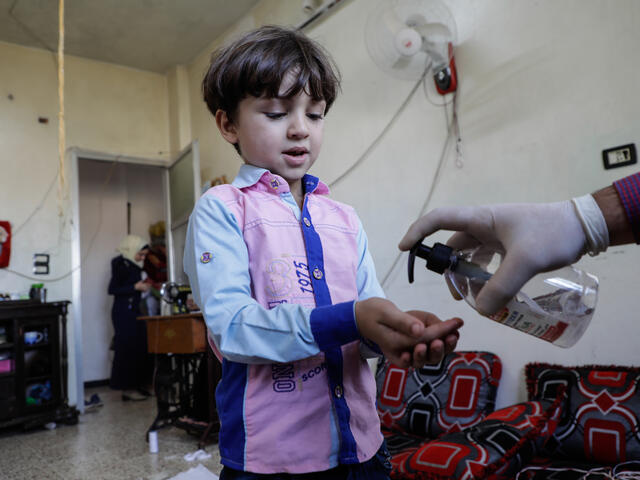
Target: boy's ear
(227,127)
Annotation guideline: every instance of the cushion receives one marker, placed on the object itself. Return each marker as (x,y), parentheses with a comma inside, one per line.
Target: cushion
(601,421)
(496,448)
(546,469)
(400,441)
(455,394)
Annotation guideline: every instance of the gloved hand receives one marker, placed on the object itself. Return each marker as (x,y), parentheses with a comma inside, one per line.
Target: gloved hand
(533,238)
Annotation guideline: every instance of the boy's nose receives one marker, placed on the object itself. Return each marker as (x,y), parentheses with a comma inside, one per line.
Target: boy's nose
(298,127)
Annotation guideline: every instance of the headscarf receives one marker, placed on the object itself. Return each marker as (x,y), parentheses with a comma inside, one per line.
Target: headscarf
(129,246)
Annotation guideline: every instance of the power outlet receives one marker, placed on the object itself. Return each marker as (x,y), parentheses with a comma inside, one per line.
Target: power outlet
(619,156)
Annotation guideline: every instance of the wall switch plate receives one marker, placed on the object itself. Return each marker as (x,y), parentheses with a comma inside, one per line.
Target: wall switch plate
(619,156)
(41,263)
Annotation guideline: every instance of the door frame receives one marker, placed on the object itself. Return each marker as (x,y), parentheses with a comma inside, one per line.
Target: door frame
(76,254)
(194,148)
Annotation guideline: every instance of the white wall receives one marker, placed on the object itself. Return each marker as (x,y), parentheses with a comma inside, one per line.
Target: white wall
(105,188)
(545,86)
(109,108)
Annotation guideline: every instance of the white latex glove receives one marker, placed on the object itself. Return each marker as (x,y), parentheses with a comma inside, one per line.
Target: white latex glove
(532,237)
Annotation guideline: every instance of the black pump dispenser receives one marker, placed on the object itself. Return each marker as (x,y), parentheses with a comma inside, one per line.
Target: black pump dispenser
(439,258)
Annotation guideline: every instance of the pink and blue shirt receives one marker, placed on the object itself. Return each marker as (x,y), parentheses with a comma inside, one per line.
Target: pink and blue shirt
(277,286)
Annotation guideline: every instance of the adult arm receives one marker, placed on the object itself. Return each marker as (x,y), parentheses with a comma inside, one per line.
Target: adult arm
(536,237)
(620,205)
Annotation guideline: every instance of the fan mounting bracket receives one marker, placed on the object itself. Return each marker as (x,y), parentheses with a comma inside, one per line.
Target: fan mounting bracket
(446,79)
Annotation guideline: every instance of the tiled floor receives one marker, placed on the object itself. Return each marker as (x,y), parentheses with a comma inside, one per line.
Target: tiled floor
(106,444)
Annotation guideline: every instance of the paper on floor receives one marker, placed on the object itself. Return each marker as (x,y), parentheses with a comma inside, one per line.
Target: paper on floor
(196,473)
(197,455)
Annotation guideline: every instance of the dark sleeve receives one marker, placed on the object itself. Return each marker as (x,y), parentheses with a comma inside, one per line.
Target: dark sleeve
(121,281)
(629,191)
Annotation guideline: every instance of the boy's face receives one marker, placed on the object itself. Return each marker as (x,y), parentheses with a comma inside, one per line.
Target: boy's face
(283,135)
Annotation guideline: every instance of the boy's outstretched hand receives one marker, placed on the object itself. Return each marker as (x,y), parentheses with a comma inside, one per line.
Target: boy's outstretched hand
(412,338)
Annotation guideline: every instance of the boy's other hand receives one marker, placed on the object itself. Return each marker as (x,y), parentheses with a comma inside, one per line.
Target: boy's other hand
(433,349)
(403,337)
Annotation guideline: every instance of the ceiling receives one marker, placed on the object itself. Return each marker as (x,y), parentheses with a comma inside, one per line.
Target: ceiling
(149,35)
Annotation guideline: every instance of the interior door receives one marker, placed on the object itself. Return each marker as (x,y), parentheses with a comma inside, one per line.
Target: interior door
(182,182)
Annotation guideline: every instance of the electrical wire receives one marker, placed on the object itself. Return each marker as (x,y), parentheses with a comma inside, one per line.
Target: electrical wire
(89,247)
(384,131)
(62,184)
(429,99)
(38,207)
(456,130)
(432,188)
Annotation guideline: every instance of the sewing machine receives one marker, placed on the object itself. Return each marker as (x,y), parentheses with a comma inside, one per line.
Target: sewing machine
(174,297)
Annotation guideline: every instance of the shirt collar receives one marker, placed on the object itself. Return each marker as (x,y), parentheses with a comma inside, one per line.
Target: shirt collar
(250,175)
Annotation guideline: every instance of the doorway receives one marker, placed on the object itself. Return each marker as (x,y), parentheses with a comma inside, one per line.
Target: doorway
(115,199)
(175,193)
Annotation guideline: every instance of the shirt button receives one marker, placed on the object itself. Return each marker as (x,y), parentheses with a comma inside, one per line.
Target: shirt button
(317,273)
(306,221)
(338,391)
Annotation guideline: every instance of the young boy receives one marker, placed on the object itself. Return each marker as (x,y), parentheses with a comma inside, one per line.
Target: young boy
(277,267)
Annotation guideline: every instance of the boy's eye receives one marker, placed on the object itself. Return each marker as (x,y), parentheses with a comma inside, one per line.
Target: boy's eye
(315,116)
(274,115)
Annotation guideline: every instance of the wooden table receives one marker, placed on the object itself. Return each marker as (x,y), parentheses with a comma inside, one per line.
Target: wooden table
(180,345)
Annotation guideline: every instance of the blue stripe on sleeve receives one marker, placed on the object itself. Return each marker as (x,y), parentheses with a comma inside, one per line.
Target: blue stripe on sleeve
(334,325)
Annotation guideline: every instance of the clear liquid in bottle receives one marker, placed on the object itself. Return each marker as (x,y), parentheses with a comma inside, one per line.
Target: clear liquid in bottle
(555,306)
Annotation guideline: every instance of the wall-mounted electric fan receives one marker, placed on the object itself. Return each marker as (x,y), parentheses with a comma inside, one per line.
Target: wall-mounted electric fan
(408,37)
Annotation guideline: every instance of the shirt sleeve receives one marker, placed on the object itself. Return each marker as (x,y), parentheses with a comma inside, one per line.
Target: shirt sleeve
(216,261)
(366,278)
(629,191)
(368,286)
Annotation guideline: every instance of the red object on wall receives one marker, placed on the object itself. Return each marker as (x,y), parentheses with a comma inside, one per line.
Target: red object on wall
(5,247)
(449,80)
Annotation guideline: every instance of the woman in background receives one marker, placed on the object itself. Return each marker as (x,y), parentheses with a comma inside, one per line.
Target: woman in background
(155,266)
(131,368)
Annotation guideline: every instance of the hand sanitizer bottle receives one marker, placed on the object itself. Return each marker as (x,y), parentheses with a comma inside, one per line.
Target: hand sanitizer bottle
(555,306)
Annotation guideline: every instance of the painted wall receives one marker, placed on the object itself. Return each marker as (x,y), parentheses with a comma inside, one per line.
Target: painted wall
(104,190)
(109,108)
(545,86)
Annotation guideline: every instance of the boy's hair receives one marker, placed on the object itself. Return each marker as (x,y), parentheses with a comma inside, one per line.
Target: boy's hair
(256,63)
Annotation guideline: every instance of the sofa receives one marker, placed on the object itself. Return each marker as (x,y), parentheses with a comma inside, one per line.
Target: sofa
(440,421)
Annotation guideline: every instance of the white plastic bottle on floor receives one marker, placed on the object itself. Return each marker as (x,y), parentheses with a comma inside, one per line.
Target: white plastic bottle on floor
(555,306)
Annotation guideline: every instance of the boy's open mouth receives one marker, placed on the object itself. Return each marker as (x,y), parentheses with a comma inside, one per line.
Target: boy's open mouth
(296,152)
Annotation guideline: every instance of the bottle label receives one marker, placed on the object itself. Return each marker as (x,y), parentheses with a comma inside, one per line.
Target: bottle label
(517,315)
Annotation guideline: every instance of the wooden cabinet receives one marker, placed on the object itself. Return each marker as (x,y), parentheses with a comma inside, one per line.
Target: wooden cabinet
(33,364)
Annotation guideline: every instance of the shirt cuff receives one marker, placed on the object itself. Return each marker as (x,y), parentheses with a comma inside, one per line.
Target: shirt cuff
(334,325)
(628,189)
